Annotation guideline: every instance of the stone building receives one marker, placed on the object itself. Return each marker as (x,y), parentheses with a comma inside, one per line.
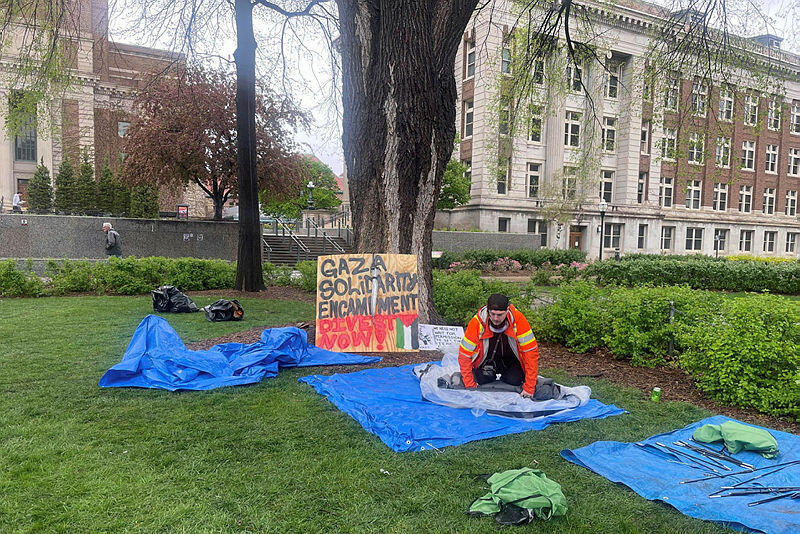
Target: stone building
(687,165)
(94,111)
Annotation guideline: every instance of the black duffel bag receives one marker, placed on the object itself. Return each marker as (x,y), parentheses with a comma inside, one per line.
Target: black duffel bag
(224,310)
(168,299)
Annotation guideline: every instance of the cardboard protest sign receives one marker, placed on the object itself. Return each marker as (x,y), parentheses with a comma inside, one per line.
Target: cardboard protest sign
(367,303)
(439,337)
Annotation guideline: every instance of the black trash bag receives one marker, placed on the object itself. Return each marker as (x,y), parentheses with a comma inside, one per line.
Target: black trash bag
(224,310)
(168,299)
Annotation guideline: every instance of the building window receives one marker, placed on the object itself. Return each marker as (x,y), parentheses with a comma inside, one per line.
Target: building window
(538,71)
(574,78)
(609,134)
(791,242)
(769,201)
(723,158)
(794,162)
(746,241)
(25,138)
(644,140)
(469,114)
(725,104)
(641,187)
(751,110)
(769,241)
(669,144)
(774,115)
(612,80)
(504,224)
(791,203)
(771,161)
(468,172)
(699,98)
(746,198)
(569,186)
(665,192)
(748,155)
(667,237)
(502,121)
(572,129)
(505,61)
(536,226)
(535,128)
(693,192)
(696,148)
(606,185)
(794,123)
(720,239)
(671,94)
(503,177)
(694,238)
(720,197)
(641,238)
(534,174)
(122,128)
(612,235)
(470,66)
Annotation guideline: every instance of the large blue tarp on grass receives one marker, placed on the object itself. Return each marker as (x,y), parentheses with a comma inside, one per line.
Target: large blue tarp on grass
(157,358)
(388,403)
(648,473)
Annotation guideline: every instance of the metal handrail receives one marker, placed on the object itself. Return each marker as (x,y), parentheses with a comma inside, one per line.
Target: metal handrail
(293,236)
(265,246)
(326,237)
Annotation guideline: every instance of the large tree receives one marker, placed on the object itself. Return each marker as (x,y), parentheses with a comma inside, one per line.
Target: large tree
(184,132)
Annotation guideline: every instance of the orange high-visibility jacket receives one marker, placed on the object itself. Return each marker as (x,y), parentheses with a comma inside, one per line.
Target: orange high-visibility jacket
(475,344)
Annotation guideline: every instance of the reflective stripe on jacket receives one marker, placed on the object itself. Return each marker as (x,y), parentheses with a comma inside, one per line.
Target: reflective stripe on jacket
(475,344)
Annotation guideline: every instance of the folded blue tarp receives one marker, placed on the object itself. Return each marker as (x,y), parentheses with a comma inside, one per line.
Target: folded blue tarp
(157,358)
(648,473)
(388,403)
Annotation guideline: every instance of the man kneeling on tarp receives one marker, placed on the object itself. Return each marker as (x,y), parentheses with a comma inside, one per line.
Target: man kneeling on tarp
(498,344)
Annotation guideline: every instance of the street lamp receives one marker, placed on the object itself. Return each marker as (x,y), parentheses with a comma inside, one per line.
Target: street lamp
(310,194)
(603,206)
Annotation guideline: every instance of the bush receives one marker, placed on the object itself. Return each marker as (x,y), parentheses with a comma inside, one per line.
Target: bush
(308,276)
(480,259)
(15,282)
(457,296)
(277,275)
(749,354)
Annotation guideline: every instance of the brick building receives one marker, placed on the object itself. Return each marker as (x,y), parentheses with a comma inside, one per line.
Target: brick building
(94,112)
(688,165)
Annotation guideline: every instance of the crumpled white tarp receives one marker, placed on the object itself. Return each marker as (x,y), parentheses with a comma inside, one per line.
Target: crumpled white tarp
(506,404)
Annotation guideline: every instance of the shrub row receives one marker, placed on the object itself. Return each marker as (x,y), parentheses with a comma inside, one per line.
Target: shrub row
(484,259)
(457,296)
(743,350)
(700,273)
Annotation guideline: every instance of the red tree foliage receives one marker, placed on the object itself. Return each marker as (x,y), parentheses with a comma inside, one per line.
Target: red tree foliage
(184,131)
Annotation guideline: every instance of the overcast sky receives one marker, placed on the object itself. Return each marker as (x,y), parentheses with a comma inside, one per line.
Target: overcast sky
(308,69)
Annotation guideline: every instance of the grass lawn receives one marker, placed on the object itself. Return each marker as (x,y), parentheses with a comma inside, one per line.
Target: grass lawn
(272,457)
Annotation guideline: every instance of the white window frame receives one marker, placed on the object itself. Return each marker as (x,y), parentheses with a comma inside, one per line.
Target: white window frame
(694,237)
(667,237)
(726,97)
(505,61)
(697,146)
(774,115)
(748,156)
(699,98)
(771,159)
(793,168)
(666,192)
(671,93)
(746,240)
(536,116)
(768,206)
(572,129)
(613,75)
(569,184)
(723,156)
(533,178)
(720,239)
(694,194)
(469,118)
(644,139)
(641,237)
(641,186)
(770,236)
(609,134)
(746,198)
(574,78)
(791,203)
(750,110)
(720,201)
(470,55)
(607,185)
(791,241)
(669,144)
(794,120)
(612,236)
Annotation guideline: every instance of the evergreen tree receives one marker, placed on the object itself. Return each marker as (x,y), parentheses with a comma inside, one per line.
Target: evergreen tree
(40,190)
(122,199)
(144,202)
(106,191)
(65,196)
(85,188)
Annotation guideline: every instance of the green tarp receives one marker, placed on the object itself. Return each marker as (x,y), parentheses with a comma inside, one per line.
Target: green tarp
(739,437)
(528,489)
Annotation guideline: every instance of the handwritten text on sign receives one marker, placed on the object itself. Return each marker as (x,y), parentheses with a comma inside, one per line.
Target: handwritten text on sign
(367,302)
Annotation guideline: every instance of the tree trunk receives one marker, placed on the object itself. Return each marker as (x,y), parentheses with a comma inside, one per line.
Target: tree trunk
(249,275)
(399,96)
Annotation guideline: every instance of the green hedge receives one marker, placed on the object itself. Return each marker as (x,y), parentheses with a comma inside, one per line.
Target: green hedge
(700,273)
(16,282)
(480,259)
(741,350)
(457,296)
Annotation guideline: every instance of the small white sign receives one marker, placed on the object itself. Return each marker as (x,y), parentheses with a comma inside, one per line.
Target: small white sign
(436,337)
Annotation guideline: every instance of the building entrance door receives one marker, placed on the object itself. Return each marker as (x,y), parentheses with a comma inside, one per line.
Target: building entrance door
(576,237)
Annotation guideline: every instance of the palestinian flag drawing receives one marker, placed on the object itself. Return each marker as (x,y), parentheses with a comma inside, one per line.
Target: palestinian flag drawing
(407,328)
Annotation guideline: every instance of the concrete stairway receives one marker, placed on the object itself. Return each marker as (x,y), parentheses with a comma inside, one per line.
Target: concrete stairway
(284,250)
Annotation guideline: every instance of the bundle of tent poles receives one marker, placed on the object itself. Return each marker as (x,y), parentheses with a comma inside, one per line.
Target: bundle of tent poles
(700,456)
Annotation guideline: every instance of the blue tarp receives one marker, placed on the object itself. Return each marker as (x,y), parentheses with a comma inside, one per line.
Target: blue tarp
(651,476)
(157,358)
(388,403)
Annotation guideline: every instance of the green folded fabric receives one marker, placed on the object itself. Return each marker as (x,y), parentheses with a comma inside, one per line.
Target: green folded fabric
(526,488)
(739,437)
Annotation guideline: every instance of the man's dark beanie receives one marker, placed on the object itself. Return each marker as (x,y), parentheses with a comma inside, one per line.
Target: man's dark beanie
(497,302)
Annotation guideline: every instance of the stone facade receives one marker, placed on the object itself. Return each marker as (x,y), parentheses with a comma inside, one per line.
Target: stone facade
(640,216)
